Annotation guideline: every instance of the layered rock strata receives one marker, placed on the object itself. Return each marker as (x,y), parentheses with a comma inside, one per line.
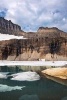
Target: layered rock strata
(46,43)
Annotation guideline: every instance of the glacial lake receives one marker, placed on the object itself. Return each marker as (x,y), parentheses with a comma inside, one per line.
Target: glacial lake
(35,88)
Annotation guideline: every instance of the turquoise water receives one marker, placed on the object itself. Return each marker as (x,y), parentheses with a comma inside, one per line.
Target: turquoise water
(43,89)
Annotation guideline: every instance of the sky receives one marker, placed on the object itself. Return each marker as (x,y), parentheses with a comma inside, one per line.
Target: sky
(32,14)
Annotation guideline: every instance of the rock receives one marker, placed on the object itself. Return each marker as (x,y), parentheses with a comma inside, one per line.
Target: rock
(56,72)
(7,27)
(46,43)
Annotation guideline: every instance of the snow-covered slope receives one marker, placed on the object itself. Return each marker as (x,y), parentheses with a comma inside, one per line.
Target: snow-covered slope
(8,37)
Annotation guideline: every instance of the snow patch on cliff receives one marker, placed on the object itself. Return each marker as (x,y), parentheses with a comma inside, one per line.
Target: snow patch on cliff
(8,37)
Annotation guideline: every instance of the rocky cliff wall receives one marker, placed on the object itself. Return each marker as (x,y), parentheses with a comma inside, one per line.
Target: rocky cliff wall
(33,49)
(46,43)
(7,27)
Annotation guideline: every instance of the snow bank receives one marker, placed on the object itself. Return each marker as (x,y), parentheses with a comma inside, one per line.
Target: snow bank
(26,76)
(8,37)
(33,63)
(4,88)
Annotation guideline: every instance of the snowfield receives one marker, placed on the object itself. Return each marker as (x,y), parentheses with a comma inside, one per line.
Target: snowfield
(32,63)
(8,37)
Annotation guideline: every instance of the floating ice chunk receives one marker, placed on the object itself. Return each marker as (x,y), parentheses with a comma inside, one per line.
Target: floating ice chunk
(3,75)
(26,76)
(4,88)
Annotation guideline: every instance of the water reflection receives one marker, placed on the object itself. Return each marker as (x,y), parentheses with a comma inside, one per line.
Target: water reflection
(21,68)
(10,69)
(29,97)
(65,98)
(58,80)
(43,89)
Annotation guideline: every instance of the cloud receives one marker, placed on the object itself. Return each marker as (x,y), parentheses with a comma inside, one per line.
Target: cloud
(31,14)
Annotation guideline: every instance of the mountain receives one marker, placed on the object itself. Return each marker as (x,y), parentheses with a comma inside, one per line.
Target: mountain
(46,43)
(7,27)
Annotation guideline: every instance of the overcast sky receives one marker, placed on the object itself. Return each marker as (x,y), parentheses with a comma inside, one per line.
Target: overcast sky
(31,14)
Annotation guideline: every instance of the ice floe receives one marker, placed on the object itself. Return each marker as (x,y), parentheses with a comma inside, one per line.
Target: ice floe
(26,76)
(4,88)
(3,75)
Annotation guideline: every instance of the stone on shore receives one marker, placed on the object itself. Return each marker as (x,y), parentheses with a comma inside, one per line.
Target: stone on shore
(56,72)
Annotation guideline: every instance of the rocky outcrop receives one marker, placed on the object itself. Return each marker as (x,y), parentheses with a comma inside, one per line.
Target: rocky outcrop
(58,75)
(46,43)
(56,72)
(7,27)
(51,32)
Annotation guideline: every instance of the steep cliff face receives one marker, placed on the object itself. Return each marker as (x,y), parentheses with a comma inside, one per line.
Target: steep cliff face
(46,43)
(34,49)
(7,27)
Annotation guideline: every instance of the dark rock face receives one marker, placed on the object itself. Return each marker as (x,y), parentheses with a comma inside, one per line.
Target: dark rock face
(7,27)
(46,43)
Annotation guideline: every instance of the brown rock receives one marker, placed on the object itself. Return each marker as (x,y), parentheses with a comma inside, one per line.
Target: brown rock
(56,72)
(46,43)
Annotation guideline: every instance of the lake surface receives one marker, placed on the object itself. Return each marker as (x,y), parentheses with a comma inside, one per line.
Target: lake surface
(39,89)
